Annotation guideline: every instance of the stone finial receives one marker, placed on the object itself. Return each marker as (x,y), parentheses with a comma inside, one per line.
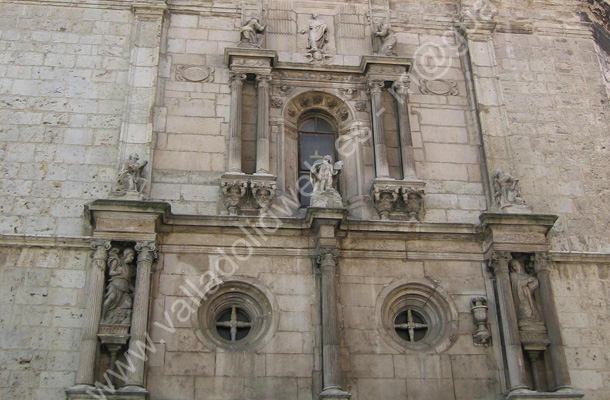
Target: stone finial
(478,306)
(388,38)
(251,32)
(130,180)
(322,179)
(317,36)
(233,191)
(506,192)
(118,300)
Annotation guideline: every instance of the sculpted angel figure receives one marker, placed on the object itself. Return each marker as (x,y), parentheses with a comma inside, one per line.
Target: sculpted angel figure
(388,37)
(116,308)
(523,287)
(130,177)
(317,34)
(250,32)
(322,173)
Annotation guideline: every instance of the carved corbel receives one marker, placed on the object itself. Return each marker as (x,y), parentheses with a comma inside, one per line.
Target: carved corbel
(233,192)
(263,194)
(478,306)
(385,199)
(414,203)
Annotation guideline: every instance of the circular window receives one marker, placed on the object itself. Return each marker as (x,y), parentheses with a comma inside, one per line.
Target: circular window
(238,316)
(416,315)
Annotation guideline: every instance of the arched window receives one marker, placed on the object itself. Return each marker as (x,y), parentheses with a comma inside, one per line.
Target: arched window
(316,140)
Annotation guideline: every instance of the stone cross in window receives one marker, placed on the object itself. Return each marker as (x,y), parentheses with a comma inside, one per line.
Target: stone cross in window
(410,326)
(234,325)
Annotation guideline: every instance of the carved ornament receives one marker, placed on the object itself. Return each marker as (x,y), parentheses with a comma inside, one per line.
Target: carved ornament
(439,87)
(194,73)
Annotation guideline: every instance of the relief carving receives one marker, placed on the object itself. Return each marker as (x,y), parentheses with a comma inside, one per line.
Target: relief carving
(194,73)
(438,87)
(403,199)
(263,194)
(233,191)
(385,199)
(349,93)
(361,106)
(414,203)
(276,102)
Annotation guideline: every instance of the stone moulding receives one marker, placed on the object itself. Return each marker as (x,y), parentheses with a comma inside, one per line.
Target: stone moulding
(394,199)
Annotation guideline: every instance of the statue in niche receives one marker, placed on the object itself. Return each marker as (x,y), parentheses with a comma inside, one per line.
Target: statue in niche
(523,288)
(250,33)
(388,38)
(506,190)
(116,309)
(321,174)
(130,177)
(317,36)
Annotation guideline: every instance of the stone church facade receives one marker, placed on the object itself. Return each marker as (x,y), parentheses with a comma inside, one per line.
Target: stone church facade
(297,200)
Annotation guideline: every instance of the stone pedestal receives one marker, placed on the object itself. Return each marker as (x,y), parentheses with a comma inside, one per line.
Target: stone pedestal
(248,194)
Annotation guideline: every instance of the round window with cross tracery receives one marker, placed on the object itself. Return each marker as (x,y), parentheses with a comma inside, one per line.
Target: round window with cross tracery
(417,315)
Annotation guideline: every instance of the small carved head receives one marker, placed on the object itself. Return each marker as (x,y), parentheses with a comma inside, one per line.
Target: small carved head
(129,255)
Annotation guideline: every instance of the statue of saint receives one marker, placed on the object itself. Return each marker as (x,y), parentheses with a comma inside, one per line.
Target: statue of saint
(523,287)
(506,190)
(322,173)
(250,33)
(388,38)
(116,309)
(317,36)
(130,178)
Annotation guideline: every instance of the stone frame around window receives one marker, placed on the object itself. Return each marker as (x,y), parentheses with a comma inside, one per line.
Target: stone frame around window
(251,297)
(430,302)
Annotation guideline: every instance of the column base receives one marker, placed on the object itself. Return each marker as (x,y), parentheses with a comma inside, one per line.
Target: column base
(525,394)
(87,392)
(334,393)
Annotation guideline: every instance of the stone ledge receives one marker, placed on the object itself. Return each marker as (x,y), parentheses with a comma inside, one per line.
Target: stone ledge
(558,395)
(84,392)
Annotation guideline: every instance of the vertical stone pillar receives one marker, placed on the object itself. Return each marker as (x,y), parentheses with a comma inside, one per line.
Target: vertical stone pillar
(262,128)
(136,134)
(406,141)
(139,317)
(515,363)
(95,295)
(327,261)
(559,366)
(236,84)
(381,157)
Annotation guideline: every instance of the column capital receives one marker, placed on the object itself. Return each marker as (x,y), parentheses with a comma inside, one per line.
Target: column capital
(541,262)
(99,244)
(327,256)
(147,250)
(498,262)
(263,79)
(375,85)
(236,78)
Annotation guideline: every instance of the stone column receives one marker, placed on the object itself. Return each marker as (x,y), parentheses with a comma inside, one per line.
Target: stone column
(236,83)
(515,363)
(381,157)
(262,128)
(95,295)
(139,317)
(327,261)
(406,141)
(559,366)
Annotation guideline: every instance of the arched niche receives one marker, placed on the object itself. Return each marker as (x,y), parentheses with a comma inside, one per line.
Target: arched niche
(348,139)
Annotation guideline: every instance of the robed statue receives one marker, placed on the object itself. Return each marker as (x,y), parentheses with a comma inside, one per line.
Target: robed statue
(322,176)
(116,309)
(250,32)
(130,177)
(388,38)
(523,287)
(317,36)
(506,190)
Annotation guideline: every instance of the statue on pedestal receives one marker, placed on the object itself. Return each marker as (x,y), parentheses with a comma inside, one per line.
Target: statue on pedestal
(130,177)
(523,287)
(324,194)
(388,39)
(116,309)
(250,33)
(506,190)
(317,36)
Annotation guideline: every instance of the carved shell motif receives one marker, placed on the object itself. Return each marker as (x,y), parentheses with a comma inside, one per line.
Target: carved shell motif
(194,73)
